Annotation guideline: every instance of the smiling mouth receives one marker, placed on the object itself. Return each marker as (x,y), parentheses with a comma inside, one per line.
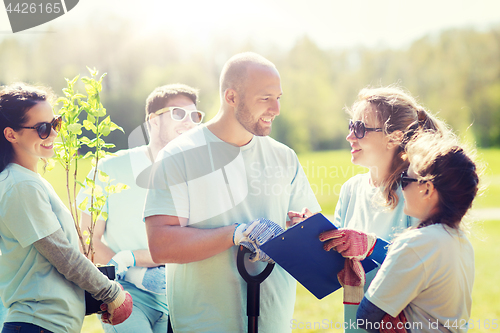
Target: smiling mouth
(267,120)
(47,145)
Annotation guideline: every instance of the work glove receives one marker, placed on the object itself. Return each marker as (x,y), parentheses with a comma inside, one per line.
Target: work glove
(254,234)
(118,310)
(354,246)
(390,324)
(151,279)
(122,261)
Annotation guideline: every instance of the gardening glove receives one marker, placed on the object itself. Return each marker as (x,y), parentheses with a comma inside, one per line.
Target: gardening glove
(254,234)
(151,279)
(122,261)
(355,246)
(389,324)
(352,244)
(118,310)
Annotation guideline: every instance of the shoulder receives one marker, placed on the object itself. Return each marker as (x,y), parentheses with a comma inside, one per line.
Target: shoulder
(426,238)
(357,181)
(271,143)
(15,183)
(122,155)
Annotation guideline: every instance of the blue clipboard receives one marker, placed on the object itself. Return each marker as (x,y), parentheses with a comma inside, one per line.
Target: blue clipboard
(300,252)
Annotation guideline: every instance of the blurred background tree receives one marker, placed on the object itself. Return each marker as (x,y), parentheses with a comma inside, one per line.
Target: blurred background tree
(455,74)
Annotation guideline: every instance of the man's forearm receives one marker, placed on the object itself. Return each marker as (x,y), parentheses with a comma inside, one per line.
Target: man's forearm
(176,244)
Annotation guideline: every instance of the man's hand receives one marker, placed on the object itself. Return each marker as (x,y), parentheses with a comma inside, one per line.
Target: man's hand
(352,244)
(122,261)
(118,310)
(254,234)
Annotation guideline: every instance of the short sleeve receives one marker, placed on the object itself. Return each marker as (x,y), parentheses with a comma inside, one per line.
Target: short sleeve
(301,194)
(400,279)
(28,213)
(167,190)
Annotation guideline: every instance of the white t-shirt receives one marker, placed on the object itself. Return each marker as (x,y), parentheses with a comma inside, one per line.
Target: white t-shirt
(428,273)
(215,184)
(30,285)
(359,208)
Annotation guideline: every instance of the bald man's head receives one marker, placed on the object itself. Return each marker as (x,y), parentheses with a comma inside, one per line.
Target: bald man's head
(235,71)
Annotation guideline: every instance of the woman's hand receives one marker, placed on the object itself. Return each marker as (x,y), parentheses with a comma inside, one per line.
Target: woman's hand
(296,217)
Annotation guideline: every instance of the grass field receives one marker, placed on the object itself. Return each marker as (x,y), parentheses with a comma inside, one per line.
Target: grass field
(327,171)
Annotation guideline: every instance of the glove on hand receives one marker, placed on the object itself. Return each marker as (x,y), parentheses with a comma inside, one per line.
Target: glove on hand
(352,244)
(122,261)
(151,279)
(253,235)
(389,324)
(118,310)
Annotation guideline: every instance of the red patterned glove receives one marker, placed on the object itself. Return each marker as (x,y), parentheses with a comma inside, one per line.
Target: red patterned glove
(352,244)
(119,310)
(352,278)
(389,324)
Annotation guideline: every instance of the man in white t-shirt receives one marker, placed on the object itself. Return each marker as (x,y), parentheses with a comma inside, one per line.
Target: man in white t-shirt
(121,238)
(210,184)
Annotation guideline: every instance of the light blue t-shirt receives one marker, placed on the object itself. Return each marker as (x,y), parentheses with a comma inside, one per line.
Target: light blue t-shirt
(30,286)
(214,184)
(125,229)
(360,207)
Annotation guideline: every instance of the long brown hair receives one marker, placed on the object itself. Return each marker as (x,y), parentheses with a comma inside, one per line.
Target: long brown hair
(397,110)
(451,170)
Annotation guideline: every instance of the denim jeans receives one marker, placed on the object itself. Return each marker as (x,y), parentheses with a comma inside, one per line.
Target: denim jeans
(23,328)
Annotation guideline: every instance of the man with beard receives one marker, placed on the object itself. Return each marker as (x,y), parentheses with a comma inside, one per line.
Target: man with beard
(210,191)
(120,239)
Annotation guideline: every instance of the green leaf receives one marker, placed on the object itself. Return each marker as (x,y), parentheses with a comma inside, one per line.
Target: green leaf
(75,129)
(114,126)
(83,205)
(104,215)
(89,126)
(92,71)
(103,177)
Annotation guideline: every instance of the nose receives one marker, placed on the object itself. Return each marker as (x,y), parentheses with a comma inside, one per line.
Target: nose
(275,108)
(351,137)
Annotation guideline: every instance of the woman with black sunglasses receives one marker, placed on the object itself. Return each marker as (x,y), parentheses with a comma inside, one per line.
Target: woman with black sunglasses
(43,275)
(370,204)
(426,279)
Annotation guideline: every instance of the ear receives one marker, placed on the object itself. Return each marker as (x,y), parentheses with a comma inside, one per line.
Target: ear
(430,190)
(10,134)
(395,139)
(231,97)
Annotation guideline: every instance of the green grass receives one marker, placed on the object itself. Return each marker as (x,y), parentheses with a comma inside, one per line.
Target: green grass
(326,172)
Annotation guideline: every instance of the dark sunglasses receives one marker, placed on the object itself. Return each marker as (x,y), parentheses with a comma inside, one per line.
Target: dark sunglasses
(405,180)
(45,128)
(178,114)
(359,128)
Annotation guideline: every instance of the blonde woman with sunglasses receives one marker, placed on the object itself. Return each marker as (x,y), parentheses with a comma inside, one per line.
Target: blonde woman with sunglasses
(43,275)
(370,205)
(425,283)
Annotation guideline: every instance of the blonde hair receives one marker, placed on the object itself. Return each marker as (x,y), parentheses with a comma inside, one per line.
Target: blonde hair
(396,110)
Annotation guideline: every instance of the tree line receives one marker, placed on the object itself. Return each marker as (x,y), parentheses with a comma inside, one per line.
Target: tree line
(455,74)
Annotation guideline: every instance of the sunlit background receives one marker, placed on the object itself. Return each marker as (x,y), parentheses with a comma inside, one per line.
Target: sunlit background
(445,52)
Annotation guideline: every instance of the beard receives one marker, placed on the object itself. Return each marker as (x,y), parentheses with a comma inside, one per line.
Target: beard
(245,118)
